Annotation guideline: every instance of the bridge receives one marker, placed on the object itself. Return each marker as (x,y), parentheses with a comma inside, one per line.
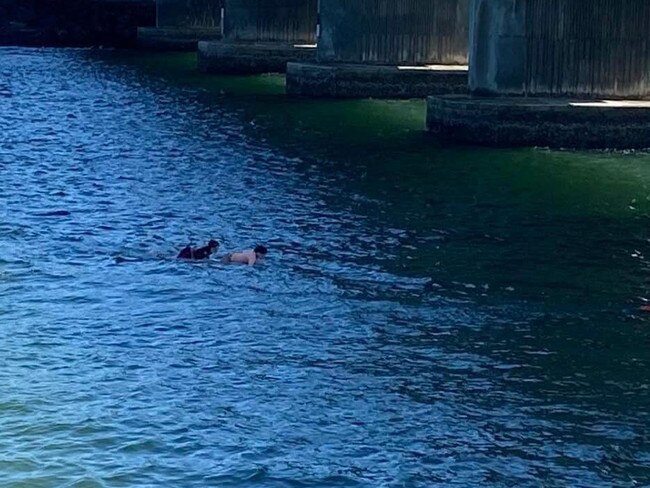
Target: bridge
(505,72)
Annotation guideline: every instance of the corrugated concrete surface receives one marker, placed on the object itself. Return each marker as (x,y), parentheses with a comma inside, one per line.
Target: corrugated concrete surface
(292,21)
(394,32)
(188,13)
(583,48)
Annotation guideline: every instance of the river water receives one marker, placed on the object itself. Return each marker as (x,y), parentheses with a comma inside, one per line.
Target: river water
(428,315)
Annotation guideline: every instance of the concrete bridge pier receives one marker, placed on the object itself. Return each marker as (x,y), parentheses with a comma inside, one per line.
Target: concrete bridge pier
(180,24)
(555,73)
(262,36)
(386,49)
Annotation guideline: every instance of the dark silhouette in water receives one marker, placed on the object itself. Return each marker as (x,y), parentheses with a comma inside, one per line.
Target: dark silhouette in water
(200,253)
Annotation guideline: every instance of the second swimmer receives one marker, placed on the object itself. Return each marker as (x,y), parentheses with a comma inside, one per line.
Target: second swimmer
(249,257)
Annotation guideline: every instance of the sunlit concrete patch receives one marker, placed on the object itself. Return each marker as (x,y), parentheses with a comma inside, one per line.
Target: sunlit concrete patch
(549,122)
(346,80)
(436,67)
(613,103)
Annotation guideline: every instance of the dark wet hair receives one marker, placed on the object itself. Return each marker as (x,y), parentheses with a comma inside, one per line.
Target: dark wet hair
(260,250)
(213,243)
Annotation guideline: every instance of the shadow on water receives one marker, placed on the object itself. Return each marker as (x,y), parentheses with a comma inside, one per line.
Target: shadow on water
(550,224)
(556,228)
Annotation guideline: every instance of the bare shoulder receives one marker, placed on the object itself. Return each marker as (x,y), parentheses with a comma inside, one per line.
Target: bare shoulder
(240,257)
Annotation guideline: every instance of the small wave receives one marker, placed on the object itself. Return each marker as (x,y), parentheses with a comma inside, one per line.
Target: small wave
(54,213)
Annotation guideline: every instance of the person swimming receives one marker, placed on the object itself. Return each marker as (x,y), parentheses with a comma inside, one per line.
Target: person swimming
(246,257)
(199,253)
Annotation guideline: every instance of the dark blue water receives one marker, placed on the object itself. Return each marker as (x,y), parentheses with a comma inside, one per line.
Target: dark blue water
(523,363)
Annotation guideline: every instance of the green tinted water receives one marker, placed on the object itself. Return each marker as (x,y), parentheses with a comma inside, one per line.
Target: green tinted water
(554,222)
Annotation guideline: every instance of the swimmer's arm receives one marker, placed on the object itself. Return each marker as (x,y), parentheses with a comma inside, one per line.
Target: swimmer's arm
(251,259)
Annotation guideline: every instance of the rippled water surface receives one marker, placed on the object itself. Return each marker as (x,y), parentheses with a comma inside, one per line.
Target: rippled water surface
(428,315)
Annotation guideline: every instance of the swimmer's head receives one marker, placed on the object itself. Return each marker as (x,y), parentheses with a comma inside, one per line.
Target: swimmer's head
(213,244)
(260,251)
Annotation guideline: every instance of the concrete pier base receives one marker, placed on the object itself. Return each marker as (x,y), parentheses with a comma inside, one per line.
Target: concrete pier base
(547,122)
(238,57)
(372,81)
(176,38)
